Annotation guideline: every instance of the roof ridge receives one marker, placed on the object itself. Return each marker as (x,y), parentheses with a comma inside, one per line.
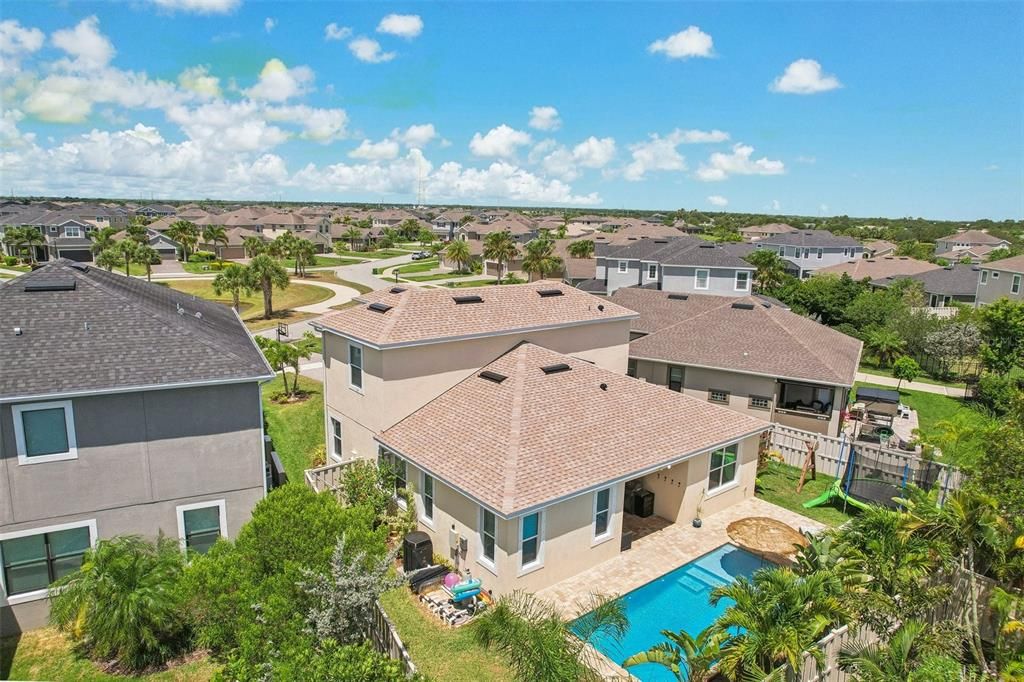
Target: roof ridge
(515,428)
(797,337)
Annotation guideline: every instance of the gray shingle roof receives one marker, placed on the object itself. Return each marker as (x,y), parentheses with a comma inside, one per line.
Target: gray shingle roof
(810,238)
(681,250)
(955,280)
(114,332)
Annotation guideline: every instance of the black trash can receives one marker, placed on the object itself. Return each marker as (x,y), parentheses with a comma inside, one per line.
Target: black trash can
(417,551)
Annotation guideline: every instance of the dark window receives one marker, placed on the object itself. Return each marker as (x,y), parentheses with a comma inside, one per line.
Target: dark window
(723,467)
(602,511)
(32,562)
(675,378)
(530,539)
(202,528)
(631,368)
(487,535)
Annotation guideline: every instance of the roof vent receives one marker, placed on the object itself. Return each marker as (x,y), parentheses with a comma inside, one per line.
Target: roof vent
(397,290)
(706,246)
(548,293)
(555,369)
(492,376)
(600,306)
(82,267)
(743,306)
(604,387)
(50,285)
(379,307)
(661,241)
(467,299)
(678,297)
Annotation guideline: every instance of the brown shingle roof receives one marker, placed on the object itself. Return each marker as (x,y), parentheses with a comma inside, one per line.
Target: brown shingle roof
(707,331)
(536,438)
(877,268)
(972,237)
(419,315)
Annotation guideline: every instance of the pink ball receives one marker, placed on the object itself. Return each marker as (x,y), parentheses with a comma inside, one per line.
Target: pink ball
(452,579)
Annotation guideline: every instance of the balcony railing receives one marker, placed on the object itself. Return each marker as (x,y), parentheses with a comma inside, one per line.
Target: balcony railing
(328,478)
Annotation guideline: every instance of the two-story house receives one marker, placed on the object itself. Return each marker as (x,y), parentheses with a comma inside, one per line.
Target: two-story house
(805,251)
(1001,278)
(957,283)
(975,244)
(746,354)
(508,414)
(445,224)
(757,232)
(680,264)
(125,408)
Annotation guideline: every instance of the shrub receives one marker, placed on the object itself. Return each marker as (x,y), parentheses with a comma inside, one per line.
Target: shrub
(203,257)
(10,260)
(320,661)
(123,602)
(995,391)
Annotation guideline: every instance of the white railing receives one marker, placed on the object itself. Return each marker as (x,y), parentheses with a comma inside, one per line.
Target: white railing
(328,478)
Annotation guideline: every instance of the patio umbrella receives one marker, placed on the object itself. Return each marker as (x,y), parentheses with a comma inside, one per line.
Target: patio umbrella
(772,539)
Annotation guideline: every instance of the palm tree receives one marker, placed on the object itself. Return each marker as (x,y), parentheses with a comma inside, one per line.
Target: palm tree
(234,279)
(886,345)
(539,644)
(108,259)
(776,617)
(501,248)
(690,659)
(128,250)
(583,248)
(186,234)
(123,601)
(540,258)
(284,247)
(770,273)
(968,523)
(102,240)
(304,253)
(137,232)
(29,238)
(144,256)
(253,246)
(893,661)
(267,273)
(352,234)
(458,252)
(216,235)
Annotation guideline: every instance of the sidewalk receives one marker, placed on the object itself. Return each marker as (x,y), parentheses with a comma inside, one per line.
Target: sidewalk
(951,391)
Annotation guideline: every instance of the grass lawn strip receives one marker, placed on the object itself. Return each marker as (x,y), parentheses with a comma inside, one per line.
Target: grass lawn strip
(777,484)
(440,652)
(383,253)
(294,296)
(330,276)
(297,429)
(439,275)
(45,654)
(924,379)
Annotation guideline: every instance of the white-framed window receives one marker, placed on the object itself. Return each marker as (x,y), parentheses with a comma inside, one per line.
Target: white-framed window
(652,271)
(623,267)
(984,276)
(1015,285)
(72,231)
(602,513)
(717,396)
(33,559)
(742,280)
(723,467)
(428,498)
(488,535)
(53,229)
(760,403)
(45,432)
(337,449)
(531,543)
(995,275)
(700,279)
(200,524)
(355,366)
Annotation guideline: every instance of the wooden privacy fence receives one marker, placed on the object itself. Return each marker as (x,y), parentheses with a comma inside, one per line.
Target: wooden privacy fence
(833,454)
(384,638)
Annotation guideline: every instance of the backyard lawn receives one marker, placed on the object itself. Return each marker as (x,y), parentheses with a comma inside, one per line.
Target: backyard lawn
(294,296)
(777,484)
(46,654)
(297,429)
(933,408)
(440,652)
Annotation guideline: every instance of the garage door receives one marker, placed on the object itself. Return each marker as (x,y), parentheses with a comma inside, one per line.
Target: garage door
(82,255)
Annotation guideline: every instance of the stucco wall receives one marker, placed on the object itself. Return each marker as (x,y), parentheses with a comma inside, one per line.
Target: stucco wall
(998,287)
(721,281)
(397,382)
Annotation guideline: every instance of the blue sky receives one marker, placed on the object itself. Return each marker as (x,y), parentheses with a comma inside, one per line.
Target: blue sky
(866,109)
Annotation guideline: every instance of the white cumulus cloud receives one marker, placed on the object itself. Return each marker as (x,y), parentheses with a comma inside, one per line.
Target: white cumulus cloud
(690,42)
(319,125)
(375,151)
(415,136)
(406,26)
(198,80)
(804,77)
(199,6)
(545,118)
(278,83)
(594,152)
(269,23)
(17,41)
(84,42)
(720,166)
(499,142)
(369,50)
(718,200)
(333,31)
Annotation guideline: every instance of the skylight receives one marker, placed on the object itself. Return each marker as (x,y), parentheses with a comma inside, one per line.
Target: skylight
(492,376)
(547,293)
(678,297)
(743,306)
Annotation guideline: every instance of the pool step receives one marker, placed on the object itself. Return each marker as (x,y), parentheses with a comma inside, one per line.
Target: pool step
(697,579)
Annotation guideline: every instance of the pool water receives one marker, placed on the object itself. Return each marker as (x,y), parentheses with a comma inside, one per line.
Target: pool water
(676,601)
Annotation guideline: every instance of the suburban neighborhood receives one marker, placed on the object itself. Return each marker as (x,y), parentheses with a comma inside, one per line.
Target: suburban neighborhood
(295,387)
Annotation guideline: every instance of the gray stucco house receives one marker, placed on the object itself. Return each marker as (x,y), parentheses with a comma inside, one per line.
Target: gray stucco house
(125,408)
(957,283)
(808,250)
(679,264)
(1001,278)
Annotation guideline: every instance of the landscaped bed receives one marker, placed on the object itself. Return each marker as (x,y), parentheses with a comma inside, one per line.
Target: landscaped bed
(294,296)
(296,428)
(441,652)
(45,654)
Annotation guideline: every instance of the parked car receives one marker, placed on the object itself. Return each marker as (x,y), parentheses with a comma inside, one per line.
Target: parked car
(420,255)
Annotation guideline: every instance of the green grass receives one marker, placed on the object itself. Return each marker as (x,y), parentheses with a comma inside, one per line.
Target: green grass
(440,275)
(251,306)
(472,283)
(297,429)
(204,268)
(381,253)
(19,268)
(418,266)
(933,408)
(46,654)
(330,276)
(777,484)
(440,652)
(870,368)
(322,262)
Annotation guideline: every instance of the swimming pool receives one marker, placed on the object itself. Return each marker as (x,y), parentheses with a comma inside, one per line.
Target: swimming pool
(677,600)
